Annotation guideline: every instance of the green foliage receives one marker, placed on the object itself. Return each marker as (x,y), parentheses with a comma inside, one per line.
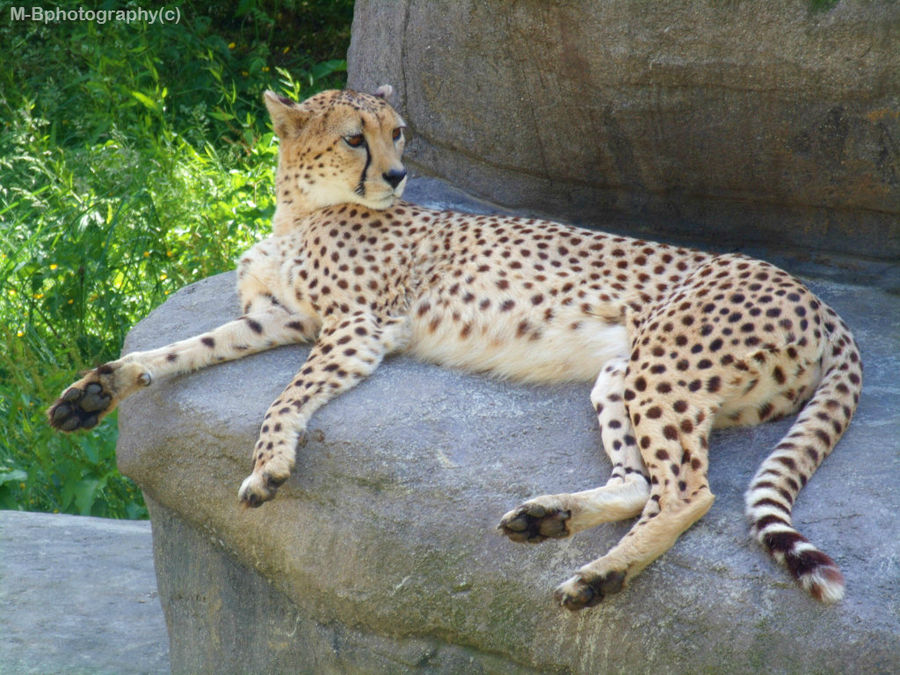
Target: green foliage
(134,159)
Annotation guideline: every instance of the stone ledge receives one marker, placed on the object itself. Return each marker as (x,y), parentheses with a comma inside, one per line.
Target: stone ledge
(243,624)
(383,540)
(78,595)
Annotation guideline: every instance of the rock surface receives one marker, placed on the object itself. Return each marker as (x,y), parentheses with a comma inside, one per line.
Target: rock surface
(380,553)
(78,595)
(731,121)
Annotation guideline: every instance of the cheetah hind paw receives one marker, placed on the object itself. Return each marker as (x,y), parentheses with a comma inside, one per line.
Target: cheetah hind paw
(534,522)
(587,590)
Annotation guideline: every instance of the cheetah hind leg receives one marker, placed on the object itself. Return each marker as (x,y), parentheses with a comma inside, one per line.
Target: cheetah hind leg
(679,496)
(623,496)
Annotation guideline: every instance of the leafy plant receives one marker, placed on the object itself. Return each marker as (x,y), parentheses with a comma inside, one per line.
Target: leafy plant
(134,159)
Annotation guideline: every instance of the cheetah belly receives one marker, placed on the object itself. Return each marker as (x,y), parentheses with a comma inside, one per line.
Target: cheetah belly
(554,353)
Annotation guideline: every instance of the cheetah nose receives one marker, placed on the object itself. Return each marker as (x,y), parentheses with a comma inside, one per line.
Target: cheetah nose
(394,177)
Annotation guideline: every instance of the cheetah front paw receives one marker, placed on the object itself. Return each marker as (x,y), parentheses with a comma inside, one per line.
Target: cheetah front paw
(261,486)
(534,522)
(86,402)
(587,590)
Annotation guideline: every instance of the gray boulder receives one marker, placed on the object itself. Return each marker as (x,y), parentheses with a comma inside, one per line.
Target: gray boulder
(380,554)
(737,121)
(78,595)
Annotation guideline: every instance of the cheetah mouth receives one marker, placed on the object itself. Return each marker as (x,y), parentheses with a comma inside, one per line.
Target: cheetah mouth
(397,192)
(387,202)
(382,199)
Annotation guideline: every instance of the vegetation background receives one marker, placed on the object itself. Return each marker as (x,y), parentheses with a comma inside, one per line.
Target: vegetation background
(134,159)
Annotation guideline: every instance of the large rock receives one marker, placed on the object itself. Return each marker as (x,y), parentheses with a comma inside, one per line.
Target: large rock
(729,121)
(380,553)
(78,595)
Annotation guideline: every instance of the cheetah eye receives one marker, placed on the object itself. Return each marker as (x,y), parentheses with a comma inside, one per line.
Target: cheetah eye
(355,141)
(397,133)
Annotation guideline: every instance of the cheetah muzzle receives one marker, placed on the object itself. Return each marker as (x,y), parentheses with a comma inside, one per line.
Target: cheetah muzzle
(676,341)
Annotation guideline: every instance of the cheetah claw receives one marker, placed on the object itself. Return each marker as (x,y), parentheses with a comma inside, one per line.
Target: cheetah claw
(533,523)
(582,591)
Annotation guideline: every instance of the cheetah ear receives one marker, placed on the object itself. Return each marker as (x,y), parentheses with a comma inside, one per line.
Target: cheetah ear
(385,91)
(287,118)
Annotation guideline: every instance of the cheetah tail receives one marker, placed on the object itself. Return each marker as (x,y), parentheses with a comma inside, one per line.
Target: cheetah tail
(811,438)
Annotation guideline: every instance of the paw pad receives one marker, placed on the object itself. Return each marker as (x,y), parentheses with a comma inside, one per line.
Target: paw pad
(258,488)
(79,408)
(94,399)
(252,499)
(581,592)
(534,523)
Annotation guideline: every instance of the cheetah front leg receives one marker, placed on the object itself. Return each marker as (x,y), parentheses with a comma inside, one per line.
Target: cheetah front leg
(344,354)
(624,494)
(83,404)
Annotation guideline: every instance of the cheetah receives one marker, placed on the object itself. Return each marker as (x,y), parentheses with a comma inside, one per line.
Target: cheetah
(676,341)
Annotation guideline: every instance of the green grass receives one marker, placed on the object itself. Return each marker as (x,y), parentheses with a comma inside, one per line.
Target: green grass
(134,159)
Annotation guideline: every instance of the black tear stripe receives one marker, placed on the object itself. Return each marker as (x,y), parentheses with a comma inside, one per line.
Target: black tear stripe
(361,188)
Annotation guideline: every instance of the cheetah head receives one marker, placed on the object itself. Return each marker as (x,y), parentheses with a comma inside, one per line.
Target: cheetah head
(337,147)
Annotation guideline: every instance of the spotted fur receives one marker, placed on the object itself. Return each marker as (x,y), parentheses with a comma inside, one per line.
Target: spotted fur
(677,341)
